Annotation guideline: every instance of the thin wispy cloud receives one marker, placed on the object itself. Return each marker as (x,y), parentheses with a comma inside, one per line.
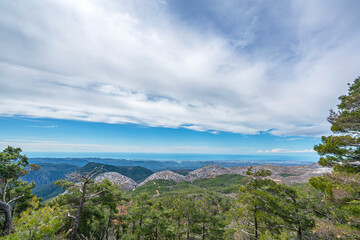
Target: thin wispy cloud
(62,146)
(294,139)
(48,126)
(240,67)
(281,150)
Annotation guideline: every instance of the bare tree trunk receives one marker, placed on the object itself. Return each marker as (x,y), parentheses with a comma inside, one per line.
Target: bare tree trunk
(78,214)
(255,226)
(8,217)
(86,179)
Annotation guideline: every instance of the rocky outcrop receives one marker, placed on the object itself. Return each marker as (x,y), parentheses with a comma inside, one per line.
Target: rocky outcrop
(167,175)
(207,172)
(288,174)
(118,179)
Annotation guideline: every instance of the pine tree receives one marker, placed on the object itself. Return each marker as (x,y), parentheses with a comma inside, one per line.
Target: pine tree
(254,212)
(342,152)
(13,165)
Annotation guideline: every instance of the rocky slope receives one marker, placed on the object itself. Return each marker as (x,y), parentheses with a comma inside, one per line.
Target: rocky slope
(116,178)
(280,174)
(207,172)
(288,174)
(167,175)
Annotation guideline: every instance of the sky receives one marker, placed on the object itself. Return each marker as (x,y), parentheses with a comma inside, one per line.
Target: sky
(182,76)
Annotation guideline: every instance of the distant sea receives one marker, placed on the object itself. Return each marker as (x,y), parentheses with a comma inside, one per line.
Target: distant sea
(179,157)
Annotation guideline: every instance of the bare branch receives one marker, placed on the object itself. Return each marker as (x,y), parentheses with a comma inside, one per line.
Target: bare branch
(68,214)
(77,176)
(74,177)
(17,198)
(93,173)
(95,194)
(247,232)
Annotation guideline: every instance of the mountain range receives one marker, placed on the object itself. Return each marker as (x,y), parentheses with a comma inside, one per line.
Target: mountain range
(136,176)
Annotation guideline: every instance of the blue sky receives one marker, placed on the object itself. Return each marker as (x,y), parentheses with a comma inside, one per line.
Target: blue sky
(44,135)
(237,77)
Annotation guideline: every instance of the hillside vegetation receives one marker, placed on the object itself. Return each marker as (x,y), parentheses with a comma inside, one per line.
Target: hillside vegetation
(220,184)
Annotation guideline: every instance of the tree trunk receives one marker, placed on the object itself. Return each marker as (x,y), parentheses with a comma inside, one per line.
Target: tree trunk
(179,230)
(203,231)
(3,198)
(13,208)
(299,233)
(118,233)
(255,226)
(140,224)
(156,230)
(188,229)
(108,225)
(7,209)
(8,217)
(78,214)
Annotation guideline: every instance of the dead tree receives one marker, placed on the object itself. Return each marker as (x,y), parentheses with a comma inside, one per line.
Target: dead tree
(83,181)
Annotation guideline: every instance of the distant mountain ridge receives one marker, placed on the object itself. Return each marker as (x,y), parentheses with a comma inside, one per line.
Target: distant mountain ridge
(49,172)
(132,177)
(160,165)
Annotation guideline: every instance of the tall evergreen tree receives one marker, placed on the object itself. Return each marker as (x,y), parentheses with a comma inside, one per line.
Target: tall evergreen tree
(342,152)
(13,165)
(255,211)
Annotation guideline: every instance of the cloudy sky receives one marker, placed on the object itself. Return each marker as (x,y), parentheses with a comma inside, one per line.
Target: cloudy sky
(234,76)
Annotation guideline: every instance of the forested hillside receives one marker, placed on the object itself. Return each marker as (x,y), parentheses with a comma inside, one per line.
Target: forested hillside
(48,173)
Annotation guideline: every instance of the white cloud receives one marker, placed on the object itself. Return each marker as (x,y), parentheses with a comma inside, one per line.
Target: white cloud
(133,62)
(282,150)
